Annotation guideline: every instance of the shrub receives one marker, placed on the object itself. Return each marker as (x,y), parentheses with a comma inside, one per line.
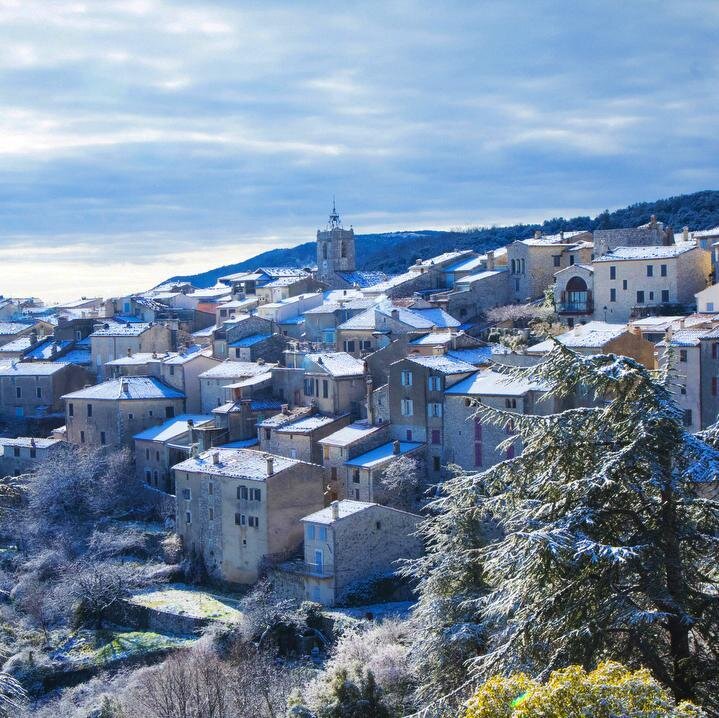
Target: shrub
(608,691)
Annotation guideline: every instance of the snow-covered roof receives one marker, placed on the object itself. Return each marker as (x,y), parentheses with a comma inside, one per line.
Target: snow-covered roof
(443,258)
(282,418)
(307,424)
(713,232)
(115,329)
(250,341)
(29,442)
(445,364)
(686,338)
(345,508)
(363,279)
(593,335)
(467,265)
(552,239)
(481,276)
(332,306)
(336,363)
(392,282)
(348,435)
(236,464)
(472,355)
(438,317)
(128,388)
(188,354)
(649,252)
(134,359)
(491,383)
(10,328)
(382,454)
(35,368)
(47,349)
(17,345)
(235,370)
(255,380)
(285,281)
(172,428)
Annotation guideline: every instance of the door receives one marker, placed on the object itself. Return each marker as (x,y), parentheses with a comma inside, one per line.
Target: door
(319,560)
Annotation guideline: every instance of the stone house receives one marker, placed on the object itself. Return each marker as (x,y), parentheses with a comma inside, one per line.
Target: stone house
(416,396)
(533,262)
(112,340)
(349,442)
(289,311)
(233,330)
(112,413)
(377,327)
(334,383)
(241,509)
(158,448)
(229,311)
(22,455)
(438,343)
(634,281)
(238,420)
(473,295)
(707,300)
(652,234)
(364,472)
(33,390)
(232,380)
(9,331)
(296,434)
(574,293)
(351,542)
(321,322)
(282,288)
(269,347)
(473,444)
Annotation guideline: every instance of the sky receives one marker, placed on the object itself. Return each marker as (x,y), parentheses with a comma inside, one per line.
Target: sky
(145,138)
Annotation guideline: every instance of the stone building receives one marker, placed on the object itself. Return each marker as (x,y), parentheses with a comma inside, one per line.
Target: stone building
(349,543)
(631,282)
(335,251)
(22,455)
(111,413)
(348,443)
(222,383)
(234,330)
(240,509)
(33,390)
(113,340)
(334,383)
(416,396)
(159,448)
(471,443)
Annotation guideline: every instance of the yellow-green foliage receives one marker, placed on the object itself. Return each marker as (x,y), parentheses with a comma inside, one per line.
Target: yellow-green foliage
(610,690)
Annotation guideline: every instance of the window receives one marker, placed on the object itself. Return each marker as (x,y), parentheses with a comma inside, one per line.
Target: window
(651,296)
(325,388)
(612,272)
(640,297)
(186,494)
(102,438)
(436,436)
(33,452)
(434,409)
(157,477)
(172,370)
(409,434)
(663,270)
(82,437)
(349,345)
(255,494)
(366,345)
(253,521)
(357,495)
(16,451)
(268,434)
(682,355)
(210,488)
(211,514)
(157,456)
(323,533)
(510,403)
(148,475)
(435,463)
(325,452)
(715,350)
(355,476)
(242,493)
(714,386)
(687,417)
(665,296)
(571,260)
(130,417)
(406,378)
(435,383)
(89,410)
(18,392)
(612,295)
(188,517)
(38,392)
(478,454)
(310,532)
(169,412)
(624,284)
(407,407)
(557,258)
(147,454)
(710,306)
(70,409)
(309,389)
(240,519)
(650,270)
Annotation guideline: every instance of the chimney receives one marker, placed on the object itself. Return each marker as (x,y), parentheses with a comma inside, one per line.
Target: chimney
(418,262)
(285,409)
(33,338)
(270,464)
(395,447)
(370,408)
(537,233)
(653,221)
(216,458)
(335,506)
(490,260)
(395,314)
(124,386)
(129,351)
(685,233)
(682,323)
(577,330)
(32,443)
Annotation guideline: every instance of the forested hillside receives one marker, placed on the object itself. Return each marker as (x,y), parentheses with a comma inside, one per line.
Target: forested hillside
(696,211)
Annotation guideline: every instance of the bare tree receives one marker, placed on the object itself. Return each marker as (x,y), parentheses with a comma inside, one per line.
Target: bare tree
(401,483)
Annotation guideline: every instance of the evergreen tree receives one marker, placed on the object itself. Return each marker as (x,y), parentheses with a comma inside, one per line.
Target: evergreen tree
(594,543)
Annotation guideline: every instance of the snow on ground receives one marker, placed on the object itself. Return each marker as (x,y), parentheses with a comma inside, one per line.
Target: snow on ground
(397,609)
(187,601)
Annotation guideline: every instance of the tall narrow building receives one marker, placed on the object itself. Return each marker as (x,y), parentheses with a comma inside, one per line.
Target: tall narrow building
(335,250)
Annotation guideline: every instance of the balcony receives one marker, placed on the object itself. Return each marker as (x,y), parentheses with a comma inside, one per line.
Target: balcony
(575,303)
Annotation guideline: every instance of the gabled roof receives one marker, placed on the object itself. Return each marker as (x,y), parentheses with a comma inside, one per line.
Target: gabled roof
(345,508)
(362,279)
(382,454)
(115,329)
(593,335)
(444,364)
(307,424)
(348,435)
(250,341)
(639,253)
(127,389)
(236,463)
(173,427)
(236,370)
(34,368)
(491,383)
(9,328)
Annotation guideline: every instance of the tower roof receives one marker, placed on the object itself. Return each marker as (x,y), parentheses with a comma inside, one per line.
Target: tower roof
(334,220)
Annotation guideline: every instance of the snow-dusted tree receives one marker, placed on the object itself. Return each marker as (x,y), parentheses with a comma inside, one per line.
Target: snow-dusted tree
(401,483)
(604,546)
(12,696)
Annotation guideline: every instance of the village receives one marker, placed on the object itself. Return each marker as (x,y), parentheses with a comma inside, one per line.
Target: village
(294,422)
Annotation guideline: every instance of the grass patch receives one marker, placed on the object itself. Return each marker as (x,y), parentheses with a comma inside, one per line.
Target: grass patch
(186,601)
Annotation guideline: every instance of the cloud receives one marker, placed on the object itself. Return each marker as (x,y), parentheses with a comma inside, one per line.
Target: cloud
(151,126)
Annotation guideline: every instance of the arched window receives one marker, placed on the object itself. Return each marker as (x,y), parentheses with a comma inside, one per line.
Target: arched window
(514,268)
(343,250)
(324,251)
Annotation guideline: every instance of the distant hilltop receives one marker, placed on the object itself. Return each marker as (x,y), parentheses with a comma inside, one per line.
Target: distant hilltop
(697,211)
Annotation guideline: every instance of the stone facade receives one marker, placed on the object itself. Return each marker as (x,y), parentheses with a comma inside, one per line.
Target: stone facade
(22,455)
(110,344)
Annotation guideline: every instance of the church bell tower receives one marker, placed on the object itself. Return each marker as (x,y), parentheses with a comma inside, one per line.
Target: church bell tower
(335,249)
